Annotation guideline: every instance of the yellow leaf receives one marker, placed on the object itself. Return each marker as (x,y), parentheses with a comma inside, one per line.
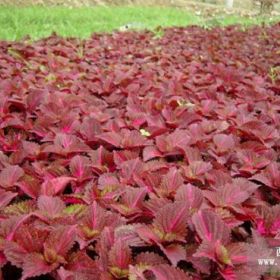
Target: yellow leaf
(145,133)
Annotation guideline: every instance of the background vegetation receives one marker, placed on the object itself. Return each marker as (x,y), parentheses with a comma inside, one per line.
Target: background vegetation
(82,18)
(39,22)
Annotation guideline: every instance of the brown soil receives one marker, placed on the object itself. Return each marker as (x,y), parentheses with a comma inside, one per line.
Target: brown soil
(210,9)
(179,3)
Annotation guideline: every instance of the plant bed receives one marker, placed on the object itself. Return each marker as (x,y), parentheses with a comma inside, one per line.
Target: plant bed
(138,155)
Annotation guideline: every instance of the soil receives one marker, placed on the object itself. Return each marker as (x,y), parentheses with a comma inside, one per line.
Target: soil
(179,3)
(204,8)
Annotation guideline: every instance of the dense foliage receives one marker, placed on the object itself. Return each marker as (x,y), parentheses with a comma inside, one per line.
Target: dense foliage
(136,156)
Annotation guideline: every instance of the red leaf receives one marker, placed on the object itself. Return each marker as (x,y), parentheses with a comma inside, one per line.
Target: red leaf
(210,227)
(176,141)
(80,266)
(6,198)
(170,183)
(112,138)
(29,186)
(61,240)
(80,167)
(130,203)
(174,252)
(196,170)
(223,142)
(120,256)
(27,240)
(51,206)
(15,253)
(191,195)
(151,152)
(166,272)
(231,194)
(10,175)
(170,222)
(35,265)
(206,250)
(55,186)
(149,258)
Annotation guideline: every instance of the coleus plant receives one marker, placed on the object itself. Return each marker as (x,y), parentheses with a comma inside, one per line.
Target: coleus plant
(141,158)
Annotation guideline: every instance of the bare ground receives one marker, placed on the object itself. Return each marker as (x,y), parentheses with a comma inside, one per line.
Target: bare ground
(210,9)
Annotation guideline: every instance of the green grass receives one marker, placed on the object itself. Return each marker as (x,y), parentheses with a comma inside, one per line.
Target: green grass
(243,21)
(39,22)
(82,22)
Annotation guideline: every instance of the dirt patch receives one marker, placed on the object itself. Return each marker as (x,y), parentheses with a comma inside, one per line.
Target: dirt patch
(78,3)
(207,8)
(75,3)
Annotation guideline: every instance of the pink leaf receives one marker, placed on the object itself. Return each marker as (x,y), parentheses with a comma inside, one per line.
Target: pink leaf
(26,240)
(174,252)
(80,167)
(166,272)
(15,253)
(6,198)
(206,250)
(51,206)
(191,195)
(112,138)
(197,170)
(149,258)
(232,194)
(151,152)
(223,142)
(35,265)
(120,257)
(10,175)
(171,221)
(29,186)
(170,182)
(61,239)
(210,227)
(55,186)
